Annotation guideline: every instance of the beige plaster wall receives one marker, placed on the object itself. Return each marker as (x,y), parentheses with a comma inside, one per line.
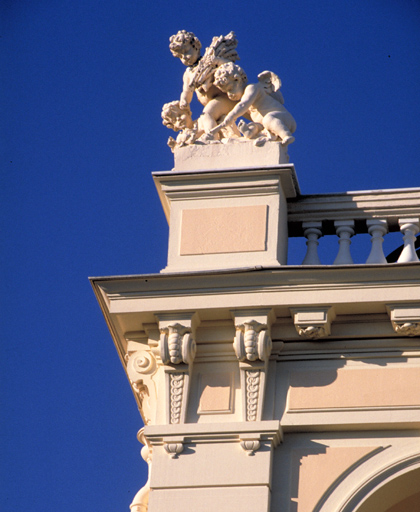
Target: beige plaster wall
(370,387)
(219,499)
(317,472)
(223,230)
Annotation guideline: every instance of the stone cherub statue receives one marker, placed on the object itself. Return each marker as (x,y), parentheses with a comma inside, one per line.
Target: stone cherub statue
(221,87)
(262,101)
(180,120)
(199,74)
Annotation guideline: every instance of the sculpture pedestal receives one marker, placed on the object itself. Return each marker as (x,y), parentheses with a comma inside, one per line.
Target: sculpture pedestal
(231,218)
(232,155)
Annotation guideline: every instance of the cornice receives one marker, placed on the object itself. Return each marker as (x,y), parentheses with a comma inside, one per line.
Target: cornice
(286,286)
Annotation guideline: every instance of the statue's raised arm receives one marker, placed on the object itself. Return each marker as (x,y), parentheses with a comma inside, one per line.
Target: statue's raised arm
(263,101)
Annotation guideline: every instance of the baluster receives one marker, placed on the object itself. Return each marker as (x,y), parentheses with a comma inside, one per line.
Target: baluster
(345,230)
(410,227)
(377,229)
(312,231)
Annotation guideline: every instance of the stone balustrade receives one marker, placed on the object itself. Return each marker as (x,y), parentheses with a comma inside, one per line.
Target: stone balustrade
(376,212)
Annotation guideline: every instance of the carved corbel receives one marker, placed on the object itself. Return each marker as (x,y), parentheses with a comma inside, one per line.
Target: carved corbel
(252,341)
(405,318)
(176,344)
(314,322)
(141,369)
(177,350)
(252,345)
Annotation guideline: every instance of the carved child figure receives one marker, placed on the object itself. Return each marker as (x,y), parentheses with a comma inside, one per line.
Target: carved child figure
(180,120)
(262,101)
(198,76)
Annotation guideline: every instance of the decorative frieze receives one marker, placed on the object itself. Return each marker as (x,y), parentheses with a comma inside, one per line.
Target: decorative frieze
(253,382)
(176,381)
(314,322)
(405,318)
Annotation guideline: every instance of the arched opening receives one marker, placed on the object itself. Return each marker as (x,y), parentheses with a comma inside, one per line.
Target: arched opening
(400,493)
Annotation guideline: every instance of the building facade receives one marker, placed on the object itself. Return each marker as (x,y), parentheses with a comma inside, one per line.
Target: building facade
(263,386)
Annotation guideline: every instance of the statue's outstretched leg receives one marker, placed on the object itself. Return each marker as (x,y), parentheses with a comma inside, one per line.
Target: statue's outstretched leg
(281,124)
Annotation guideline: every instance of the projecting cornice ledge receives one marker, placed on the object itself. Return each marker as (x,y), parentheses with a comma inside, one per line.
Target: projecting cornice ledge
(251,436)
(293,287)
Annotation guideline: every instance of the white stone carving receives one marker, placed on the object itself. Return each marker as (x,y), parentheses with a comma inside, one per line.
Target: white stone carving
(177,350)
(410,228)
(377,228)
(141,499)
(176,392)
(408,329)
(253,381)
(312,332)
(199,74)
(174,449)
(250,446)
(141,366)
(312,231)
(405,318)
(314,322)
(252,341)
(177,344)
(180,120)
(263,102)
(214,78)
(345,230)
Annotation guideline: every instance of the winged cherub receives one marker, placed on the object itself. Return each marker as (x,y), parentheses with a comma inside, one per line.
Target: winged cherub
(262,101)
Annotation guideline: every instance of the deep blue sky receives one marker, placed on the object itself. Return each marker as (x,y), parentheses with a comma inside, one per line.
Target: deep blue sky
(83,83)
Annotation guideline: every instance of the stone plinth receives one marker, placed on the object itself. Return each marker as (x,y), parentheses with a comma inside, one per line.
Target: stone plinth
(221,219)
(233,155)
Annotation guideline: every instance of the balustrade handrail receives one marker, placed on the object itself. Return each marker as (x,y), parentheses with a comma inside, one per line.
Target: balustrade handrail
(390,205)
(376,212)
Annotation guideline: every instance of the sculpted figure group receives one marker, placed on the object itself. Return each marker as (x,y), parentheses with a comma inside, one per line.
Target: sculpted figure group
(221,86)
